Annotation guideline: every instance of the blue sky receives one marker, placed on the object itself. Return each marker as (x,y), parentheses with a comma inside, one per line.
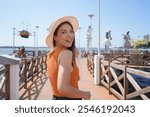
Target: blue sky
(118,15)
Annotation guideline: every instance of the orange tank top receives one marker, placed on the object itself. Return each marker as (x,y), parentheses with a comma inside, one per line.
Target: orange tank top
(52,68)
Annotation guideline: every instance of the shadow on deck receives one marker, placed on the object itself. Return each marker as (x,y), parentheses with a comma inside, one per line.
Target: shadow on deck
(35,88)
(39,89)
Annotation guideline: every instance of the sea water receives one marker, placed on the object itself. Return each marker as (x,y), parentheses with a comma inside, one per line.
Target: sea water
(8,50)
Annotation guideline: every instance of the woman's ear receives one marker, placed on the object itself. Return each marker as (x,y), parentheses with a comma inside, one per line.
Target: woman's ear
(55,38)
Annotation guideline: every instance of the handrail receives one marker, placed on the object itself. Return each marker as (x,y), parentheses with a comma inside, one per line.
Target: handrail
(4,76)
(115,70)
(29,68)
(118,77)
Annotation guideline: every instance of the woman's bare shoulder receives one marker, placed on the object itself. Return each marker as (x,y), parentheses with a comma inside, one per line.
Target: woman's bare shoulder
(65,56)
(66,52)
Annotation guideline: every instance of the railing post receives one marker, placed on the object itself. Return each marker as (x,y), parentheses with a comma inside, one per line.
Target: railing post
(100,71)
(110,78)
(31,68)
(7,85)
(125,83)
(97,69)
(41,64)
(25,73)
(14,82)
(36,62)
(14,74)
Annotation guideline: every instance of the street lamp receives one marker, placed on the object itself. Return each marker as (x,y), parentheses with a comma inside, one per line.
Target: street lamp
(37,39)
(91,15)
(34,34)
(14,38)
(99,32)
(89,35)
(37,36)
(97,57)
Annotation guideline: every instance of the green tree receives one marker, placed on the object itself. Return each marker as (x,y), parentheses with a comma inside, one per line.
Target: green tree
(139,43)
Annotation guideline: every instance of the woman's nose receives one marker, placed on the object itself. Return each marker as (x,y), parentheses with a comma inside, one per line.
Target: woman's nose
(69,34)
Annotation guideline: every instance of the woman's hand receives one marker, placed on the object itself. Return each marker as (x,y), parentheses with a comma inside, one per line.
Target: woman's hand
(87,95)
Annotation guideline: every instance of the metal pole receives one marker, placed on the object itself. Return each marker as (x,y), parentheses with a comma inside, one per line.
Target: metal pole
(97,63)
(37,40)
(37,36)
(34,34)
(14,38)
(99,39)
(91,15)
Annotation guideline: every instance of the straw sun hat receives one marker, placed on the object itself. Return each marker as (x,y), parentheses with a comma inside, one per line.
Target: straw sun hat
(71,19)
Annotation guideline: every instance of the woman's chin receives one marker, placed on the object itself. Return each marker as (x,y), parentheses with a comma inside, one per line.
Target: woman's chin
(68,45)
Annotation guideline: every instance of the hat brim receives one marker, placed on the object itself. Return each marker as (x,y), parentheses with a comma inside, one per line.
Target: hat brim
(71,19)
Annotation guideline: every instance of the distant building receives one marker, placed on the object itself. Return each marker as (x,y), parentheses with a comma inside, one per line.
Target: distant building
(147,37)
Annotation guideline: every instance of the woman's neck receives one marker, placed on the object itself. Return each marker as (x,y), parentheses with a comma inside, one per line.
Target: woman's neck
(60,46)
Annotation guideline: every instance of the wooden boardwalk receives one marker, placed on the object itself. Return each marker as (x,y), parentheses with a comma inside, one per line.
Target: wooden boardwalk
(39,89)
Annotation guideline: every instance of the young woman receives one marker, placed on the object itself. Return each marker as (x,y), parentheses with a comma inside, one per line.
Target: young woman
(107,41)
(127,39)
(63,72)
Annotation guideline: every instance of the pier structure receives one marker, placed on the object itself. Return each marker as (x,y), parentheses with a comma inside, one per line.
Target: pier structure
(118,77)
(124,74)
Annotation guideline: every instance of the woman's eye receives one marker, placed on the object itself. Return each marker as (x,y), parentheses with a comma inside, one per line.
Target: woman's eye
(63,32)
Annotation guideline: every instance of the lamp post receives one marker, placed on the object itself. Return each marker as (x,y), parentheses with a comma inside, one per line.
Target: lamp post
(34,34)
(14,38)
(37,36)
(79,36)
(90,32)
(91,15)
(99,32)
(37,40)
(97,58)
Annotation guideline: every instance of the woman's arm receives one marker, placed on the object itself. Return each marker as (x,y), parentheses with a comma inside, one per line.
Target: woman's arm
(76,52)
(64,71)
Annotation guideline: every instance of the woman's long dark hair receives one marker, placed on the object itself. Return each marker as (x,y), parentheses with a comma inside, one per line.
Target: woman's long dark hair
(72,48)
